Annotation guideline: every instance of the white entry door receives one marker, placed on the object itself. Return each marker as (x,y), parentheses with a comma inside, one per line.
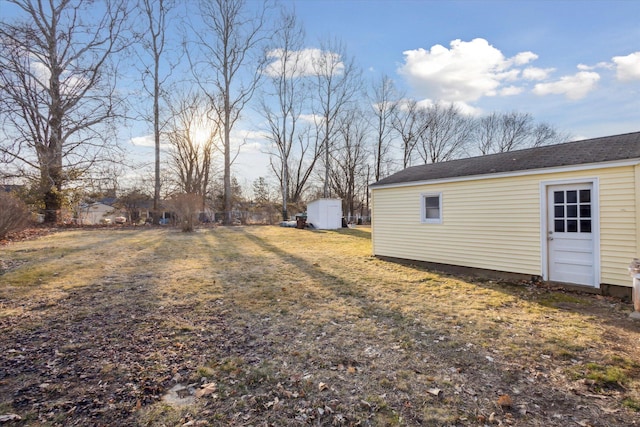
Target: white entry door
(570,234)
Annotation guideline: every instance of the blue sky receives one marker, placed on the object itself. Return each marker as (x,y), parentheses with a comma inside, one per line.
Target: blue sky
(574,42)
(574,64)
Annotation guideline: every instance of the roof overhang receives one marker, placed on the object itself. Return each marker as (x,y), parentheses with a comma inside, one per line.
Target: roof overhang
(540,171)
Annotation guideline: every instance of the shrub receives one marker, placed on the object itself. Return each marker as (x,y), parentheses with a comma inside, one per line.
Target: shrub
(186,207)
(14,215)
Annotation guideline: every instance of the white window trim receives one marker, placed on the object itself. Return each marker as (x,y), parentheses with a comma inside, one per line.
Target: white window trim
(423,208)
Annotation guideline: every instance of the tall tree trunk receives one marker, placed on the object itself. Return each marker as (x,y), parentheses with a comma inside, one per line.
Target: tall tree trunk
(228,196)
(156,136)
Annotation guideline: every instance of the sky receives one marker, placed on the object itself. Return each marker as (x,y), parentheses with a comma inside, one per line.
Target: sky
(574,64)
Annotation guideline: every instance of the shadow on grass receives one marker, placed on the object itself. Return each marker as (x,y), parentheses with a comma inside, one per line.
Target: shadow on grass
(355,232)
(117,328)
(338,286)
(85,347)
(608,310)
(484,332)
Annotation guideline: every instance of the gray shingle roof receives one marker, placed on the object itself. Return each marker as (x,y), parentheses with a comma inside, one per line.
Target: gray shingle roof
(588,151)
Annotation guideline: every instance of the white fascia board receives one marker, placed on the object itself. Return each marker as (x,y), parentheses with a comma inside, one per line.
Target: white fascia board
(570,168)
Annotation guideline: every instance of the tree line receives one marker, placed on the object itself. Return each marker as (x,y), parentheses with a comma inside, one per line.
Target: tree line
(74,73)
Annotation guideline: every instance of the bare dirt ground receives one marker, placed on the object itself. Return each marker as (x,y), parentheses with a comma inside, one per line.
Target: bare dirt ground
(259,326)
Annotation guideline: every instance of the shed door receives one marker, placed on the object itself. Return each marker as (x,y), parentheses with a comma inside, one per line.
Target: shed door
(570,234)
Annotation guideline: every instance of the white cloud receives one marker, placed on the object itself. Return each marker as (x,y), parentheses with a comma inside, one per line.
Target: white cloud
(534,73)
(143,141)
(510,75)
(148,141)
(304,62)
(247,135)
(584,67)
(252,147)
(311,119)
(468,110)
(249,140)
(40,71)
(465,72)
(511,90)
(69,83)
(627,67)
(463,107)
(523,58)
(573,87)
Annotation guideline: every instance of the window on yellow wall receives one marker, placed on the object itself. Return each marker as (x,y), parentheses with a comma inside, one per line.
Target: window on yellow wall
(432,208)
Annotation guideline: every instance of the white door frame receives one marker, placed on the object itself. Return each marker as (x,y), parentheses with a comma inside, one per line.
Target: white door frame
(595,227)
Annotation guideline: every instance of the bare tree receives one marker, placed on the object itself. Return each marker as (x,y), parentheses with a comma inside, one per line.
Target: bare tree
(228,68)
(337,83)
(447,133)
(384,103)
(264,200)
(105,179)
(192,137)
(487,133)
(349,159)
(286,75)
(408,124)
(56,92)
(307,152)
(501,132)
(155,14)
(546,134)
(514,130)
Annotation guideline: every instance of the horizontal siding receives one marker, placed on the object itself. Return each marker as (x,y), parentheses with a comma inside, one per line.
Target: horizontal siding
(495,223)
(618,219)
(471,233)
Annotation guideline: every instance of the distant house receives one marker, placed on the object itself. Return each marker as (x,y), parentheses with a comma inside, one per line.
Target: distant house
(97,213)
(566,213)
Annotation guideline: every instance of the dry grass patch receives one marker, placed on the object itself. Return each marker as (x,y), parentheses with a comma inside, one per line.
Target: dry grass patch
(278,326)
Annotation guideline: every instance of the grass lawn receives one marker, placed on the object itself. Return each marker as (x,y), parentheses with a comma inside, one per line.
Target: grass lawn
(255,326)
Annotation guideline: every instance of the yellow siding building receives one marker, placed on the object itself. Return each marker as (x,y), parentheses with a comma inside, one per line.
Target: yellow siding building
(568,213)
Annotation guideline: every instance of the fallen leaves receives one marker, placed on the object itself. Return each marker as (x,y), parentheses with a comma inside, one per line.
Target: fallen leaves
(505,401)
(26,234)
(9,417)
(206,389)
(434,391)
(108,350)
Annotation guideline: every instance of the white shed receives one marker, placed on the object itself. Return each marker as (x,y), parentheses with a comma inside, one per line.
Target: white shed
(325,214)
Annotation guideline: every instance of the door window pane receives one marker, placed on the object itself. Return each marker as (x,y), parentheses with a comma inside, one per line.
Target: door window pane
(559,226)
(572,226)
(558,196)
(559,211)
(585,226)
(585,196)
(572,196)
(585,211)
(572,211)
